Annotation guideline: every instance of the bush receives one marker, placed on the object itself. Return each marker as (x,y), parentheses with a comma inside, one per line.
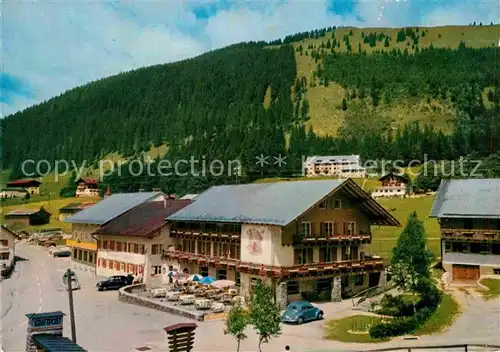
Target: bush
(395,306)
(396,327)
(406,323)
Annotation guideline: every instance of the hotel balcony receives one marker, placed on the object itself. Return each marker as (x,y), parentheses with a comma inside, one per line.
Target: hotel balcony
(317,238)
(368,264)
(209,231)
(470,234)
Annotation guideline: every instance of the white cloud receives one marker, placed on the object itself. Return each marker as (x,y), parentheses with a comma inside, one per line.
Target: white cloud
(59,45)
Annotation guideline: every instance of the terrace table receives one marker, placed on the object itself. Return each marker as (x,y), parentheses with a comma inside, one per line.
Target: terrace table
(187,299)
(203,303)
(173,295)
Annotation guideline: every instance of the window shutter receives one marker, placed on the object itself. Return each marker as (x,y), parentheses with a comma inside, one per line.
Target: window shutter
(322,229)
(312,229)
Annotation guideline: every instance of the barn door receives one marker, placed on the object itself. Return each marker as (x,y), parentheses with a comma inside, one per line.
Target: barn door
(465,272)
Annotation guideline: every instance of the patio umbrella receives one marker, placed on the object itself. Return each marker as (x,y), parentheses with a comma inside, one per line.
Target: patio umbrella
(194,278)
(223,283)
(207,280)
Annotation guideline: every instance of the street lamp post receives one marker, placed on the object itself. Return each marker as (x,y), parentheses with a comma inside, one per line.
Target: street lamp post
(71,308)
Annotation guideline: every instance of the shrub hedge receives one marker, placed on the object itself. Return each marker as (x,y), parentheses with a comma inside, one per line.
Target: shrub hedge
(405,323)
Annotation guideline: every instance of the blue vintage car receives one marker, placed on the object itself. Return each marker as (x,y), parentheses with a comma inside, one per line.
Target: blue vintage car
(301,311)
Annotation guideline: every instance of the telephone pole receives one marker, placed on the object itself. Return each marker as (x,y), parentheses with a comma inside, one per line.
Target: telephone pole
(71,308)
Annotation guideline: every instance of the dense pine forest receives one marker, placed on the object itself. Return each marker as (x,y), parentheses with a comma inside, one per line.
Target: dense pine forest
(248,99)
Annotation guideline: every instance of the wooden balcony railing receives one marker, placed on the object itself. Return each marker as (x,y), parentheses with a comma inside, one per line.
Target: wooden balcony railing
(188,233)
(323,237)
(471,234)
(309,269)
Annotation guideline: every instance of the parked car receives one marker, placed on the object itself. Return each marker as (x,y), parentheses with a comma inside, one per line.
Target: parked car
(113,283)
(59,254)
(300,312)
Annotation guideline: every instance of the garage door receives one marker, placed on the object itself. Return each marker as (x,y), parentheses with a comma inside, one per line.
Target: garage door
(465,272)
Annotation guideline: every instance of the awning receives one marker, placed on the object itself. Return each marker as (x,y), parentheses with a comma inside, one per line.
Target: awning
(55,343)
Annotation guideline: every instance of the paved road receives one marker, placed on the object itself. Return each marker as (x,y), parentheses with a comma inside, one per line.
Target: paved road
(102,322)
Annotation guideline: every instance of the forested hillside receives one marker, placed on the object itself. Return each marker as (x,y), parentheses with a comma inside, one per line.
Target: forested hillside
(384,94)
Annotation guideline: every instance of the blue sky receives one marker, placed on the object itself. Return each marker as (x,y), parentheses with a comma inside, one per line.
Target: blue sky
(49,47)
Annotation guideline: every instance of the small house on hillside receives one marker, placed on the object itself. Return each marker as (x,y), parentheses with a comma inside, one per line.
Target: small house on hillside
(31,186)
(393,185)
(13,192)
(87,187)
(73,208)
(28,217)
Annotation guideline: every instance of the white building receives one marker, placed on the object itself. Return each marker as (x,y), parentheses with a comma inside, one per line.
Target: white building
(133,242)
(83,243)
(342,166)
(7,248)
(393,185)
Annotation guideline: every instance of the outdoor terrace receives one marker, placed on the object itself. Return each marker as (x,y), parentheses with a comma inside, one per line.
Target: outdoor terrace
(310,269)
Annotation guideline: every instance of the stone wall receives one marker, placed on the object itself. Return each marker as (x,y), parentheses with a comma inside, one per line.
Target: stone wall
(281,294)
(126,295)
(337,289)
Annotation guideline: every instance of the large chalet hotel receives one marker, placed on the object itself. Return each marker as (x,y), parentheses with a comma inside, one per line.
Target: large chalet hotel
(301,237)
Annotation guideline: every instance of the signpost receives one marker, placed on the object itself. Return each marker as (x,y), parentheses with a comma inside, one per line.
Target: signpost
(69,274)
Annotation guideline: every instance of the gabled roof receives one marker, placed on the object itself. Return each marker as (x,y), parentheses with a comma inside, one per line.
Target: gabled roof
(26,212)
(14,189)
(89,181)
(23,183)
(111,207)
(468,198)
(76,206)
(5,229)
(276,203)
(22,212)
(394,174)
(143,219)
(327,159)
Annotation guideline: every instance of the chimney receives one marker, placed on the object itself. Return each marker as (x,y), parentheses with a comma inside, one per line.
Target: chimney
(164,202)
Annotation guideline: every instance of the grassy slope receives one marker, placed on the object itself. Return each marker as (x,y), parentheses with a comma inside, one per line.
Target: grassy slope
(493,286)
(325,112)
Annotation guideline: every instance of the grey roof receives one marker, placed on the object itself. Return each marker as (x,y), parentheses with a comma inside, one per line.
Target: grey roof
(469,198)
(111,207)
(276,203)
(332,158)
